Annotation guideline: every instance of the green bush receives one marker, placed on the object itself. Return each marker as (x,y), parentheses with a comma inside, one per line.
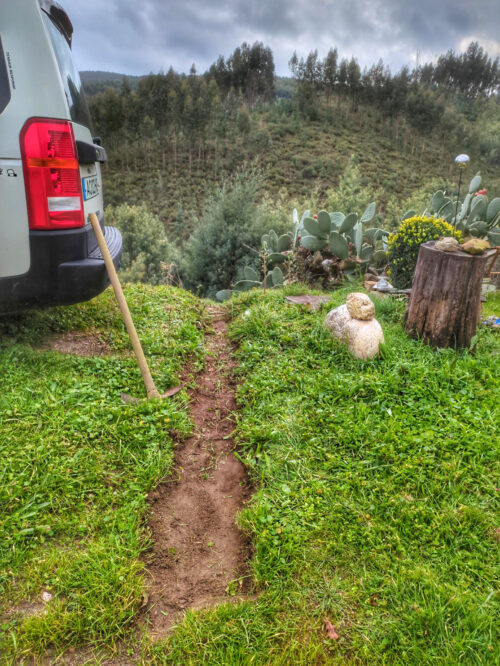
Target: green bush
(219,247)
(405,244)
(145,245)
(309,172)
(352,192)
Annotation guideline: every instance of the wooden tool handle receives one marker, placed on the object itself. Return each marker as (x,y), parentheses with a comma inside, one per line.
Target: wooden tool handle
(151,390)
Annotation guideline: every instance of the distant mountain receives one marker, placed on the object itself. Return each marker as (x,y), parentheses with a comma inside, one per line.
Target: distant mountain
(97,81)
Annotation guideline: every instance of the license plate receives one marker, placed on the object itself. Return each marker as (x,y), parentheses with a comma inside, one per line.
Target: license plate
(90,187)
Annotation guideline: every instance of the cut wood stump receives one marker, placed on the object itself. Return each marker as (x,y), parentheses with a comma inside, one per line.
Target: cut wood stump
(445,302)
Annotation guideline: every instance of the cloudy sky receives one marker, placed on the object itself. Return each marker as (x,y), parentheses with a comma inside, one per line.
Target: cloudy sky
(142,36)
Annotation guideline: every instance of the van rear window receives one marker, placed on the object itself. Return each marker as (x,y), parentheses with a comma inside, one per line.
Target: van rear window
(4,81)
(77,103)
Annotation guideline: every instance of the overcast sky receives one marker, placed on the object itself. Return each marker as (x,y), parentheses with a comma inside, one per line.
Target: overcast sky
(142,36)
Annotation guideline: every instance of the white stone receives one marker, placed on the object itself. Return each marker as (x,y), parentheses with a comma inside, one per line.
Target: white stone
(383,285)
(336,322)
(362,337)
(360,306)
(447,244)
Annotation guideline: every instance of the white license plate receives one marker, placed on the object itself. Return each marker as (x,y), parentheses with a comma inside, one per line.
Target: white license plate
(90,187)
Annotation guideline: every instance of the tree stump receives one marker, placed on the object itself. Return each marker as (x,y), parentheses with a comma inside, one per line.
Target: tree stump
(445,302)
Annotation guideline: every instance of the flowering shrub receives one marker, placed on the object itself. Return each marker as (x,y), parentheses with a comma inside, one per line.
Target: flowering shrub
(405,244)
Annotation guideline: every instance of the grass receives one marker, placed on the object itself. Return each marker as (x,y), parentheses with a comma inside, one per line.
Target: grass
(77,465)
(377,487)
(377,498)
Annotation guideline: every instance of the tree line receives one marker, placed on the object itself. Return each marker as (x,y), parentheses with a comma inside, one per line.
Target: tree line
(190,103)
(421,94)
(193,103)
(195,116)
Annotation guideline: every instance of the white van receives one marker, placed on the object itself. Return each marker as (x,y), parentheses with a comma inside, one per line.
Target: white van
(50,174)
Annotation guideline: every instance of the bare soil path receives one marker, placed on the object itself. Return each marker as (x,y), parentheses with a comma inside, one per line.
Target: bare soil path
(198,549)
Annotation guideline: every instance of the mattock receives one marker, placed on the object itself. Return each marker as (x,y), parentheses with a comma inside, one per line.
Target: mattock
(151,390)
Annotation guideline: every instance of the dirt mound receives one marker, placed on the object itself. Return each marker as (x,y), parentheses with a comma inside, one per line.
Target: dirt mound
(77,343)
(199,554)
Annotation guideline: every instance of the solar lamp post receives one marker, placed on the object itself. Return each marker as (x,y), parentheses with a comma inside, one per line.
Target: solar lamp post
(461,161)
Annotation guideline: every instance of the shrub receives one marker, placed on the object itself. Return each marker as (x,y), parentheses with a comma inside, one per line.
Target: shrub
(405,244)
(352,193)
(145,245)
(220,246)
(308,172)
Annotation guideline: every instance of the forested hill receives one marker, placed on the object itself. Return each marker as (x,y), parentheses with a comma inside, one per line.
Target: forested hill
(97,81)
(170,136)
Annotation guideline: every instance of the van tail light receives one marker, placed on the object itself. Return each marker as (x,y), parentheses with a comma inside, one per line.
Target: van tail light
(52,175)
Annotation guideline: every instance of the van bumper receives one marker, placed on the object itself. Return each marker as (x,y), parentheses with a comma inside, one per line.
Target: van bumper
(66,268)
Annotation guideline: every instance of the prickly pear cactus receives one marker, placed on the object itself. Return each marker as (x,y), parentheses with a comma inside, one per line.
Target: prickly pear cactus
(475,216)
(339,234)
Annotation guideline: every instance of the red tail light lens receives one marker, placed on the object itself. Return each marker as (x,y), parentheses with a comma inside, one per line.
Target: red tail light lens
(52,175)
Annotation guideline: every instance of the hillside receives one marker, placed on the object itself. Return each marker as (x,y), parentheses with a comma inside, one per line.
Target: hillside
(302,160)
(173,138)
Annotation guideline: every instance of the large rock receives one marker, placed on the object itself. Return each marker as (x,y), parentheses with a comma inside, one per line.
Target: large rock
(336,322)
(362,337)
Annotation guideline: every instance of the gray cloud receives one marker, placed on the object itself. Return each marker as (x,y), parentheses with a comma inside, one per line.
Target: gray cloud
(137,37)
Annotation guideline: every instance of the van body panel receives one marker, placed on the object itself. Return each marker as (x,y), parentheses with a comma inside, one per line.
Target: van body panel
(33,73)
(66,268)
(14,232)
(30,87)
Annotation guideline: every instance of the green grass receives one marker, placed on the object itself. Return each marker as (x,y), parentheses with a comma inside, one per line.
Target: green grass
(376,487)
(377,498)
(76,464)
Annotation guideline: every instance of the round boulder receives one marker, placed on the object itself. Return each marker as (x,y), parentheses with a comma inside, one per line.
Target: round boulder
(336,322)
(362,337)
(360,306)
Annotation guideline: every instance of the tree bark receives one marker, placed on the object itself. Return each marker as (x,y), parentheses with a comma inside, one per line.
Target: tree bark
(445,302)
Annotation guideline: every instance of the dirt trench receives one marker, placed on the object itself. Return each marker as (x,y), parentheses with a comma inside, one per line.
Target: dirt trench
(200,557)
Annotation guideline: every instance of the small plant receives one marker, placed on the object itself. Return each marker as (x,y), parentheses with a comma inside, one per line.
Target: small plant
(145,245)
(217,251)
(476,217)
(405,244)
(273,251)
